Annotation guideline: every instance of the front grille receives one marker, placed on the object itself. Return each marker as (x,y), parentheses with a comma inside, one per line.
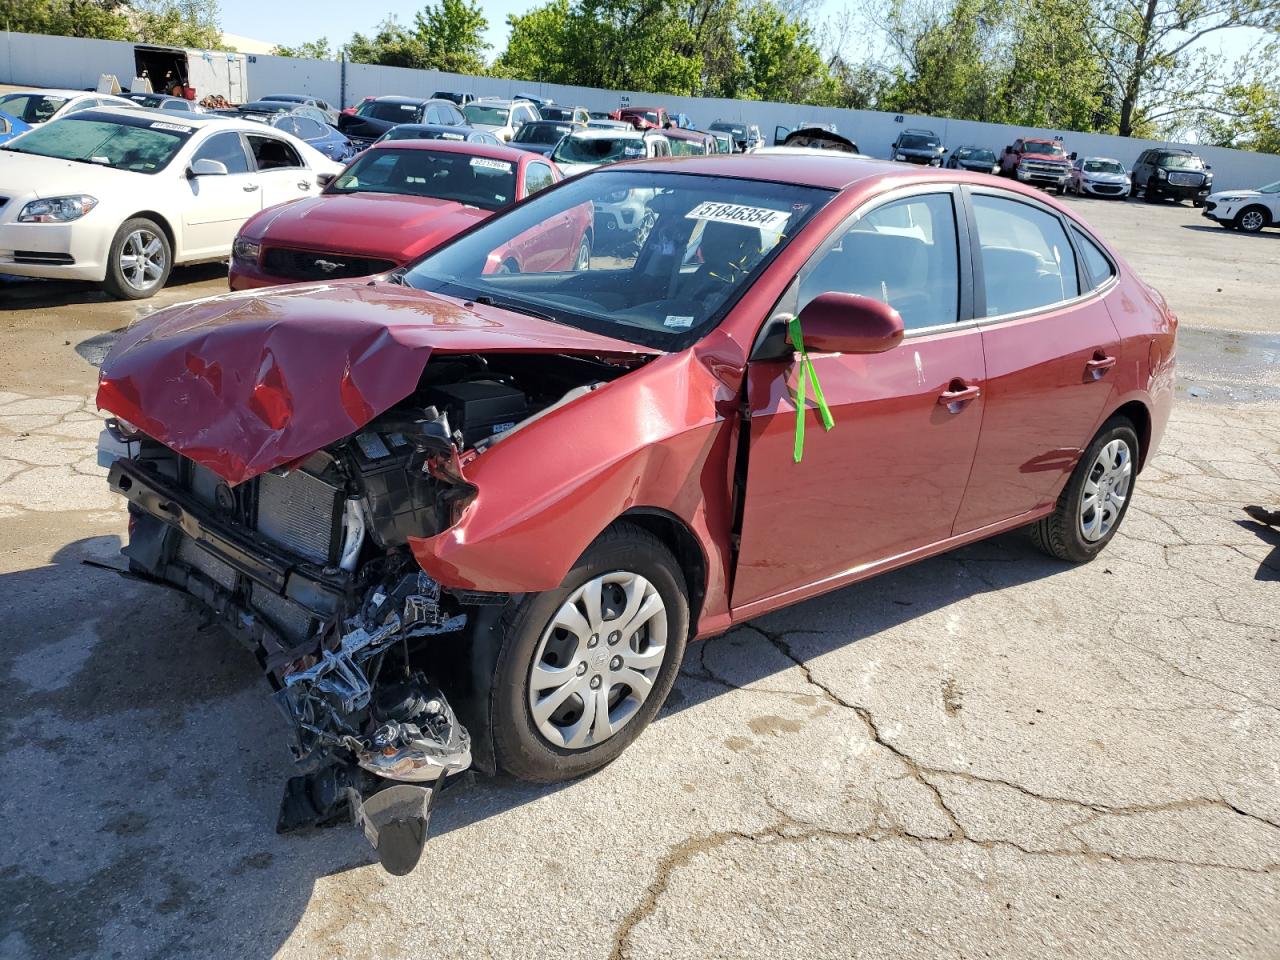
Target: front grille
(1186,179)
(200,559)
(300,513)
(318,265)
(1107,188)
(40,257)
(286,616)
(1037,168)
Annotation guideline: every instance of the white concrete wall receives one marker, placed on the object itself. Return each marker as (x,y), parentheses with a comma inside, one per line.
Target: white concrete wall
(71,62)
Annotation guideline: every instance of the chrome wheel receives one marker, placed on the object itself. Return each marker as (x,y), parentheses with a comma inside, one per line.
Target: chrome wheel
(1106,489)
(1251,221)
(142,260)
(584,256)
(597,660)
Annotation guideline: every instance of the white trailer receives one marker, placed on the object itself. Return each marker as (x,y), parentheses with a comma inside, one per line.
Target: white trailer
(194,74)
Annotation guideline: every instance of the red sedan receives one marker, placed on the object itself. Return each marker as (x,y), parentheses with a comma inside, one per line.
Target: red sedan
(522,493)
(396,201)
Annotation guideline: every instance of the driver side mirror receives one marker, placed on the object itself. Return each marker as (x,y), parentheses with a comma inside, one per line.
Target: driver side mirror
(849,323)
(324,179)
(207,168)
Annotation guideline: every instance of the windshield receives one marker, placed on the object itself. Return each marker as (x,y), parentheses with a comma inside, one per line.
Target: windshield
(916,141)
(143,146)
(1270,188)
(736,129)
(556,113)
(151,100)
(541,133)
(649,115)
(390,112)
(598,149)
(687,148)
(474,181)
(31,107)
(267,106)
(976,156)
(1103,166)
(1048,149)
(1180,161)
(479,113)
(707,241)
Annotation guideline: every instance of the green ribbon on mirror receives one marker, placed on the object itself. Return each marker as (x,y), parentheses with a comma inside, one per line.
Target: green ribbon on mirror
(807,375)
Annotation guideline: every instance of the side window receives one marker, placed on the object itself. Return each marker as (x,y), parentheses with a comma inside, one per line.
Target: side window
(904,254)
(456,118)
(227,149)
(537,176)
(273,154)
(1026,259)
(308,129)
(1096,263)
(432,115)
(289,125)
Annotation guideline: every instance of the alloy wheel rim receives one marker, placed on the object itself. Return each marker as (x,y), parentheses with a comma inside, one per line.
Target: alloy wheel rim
(597,660)
(142,260)
(584,257)
(1251,220)
(1106,489)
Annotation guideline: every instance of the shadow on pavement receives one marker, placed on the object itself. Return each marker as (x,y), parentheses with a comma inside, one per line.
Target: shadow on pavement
(1269,568)
(144,762)
(21,293)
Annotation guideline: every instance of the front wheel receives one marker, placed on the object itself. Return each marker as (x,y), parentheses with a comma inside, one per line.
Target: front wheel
(1251,219)
(584,668)
(139,260)
(1095,499)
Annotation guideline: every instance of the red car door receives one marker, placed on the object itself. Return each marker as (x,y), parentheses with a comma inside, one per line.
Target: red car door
(890,475)
(1050,357)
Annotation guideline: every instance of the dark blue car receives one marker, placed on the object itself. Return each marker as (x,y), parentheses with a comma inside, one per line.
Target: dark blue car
(541,136)
(439,131)
(323,137)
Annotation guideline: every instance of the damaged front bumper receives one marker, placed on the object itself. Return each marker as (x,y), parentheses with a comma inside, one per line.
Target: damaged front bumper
(374,736)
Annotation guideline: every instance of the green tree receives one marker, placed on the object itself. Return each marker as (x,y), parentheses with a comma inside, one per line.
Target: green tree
(1052,77)
(948,59)
(98,19)
(178,23)
(779,59)
(309,50)
(540,46)
(1246,114)
(447,37)
(1148,49)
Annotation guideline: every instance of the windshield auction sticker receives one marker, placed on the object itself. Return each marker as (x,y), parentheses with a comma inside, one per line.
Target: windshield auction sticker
(175,127)
(761,217)
(488,164)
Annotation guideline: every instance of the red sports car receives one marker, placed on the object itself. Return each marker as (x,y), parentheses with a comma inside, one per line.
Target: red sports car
(396,201)
(518,495)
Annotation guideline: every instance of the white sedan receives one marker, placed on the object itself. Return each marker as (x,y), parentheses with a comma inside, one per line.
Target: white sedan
(1247,210)
(41,106)
(120,196)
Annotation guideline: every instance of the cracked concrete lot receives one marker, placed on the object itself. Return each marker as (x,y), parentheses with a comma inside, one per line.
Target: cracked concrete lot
(986,754)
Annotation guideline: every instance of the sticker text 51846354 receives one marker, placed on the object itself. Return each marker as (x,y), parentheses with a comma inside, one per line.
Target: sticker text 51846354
(761,217)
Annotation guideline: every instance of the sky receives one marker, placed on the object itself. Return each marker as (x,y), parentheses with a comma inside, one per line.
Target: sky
(339,19)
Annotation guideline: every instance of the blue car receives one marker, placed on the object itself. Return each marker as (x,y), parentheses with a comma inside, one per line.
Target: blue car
(323,137)
(10,127)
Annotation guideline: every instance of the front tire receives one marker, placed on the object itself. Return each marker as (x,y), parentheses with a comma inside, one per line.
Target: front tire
(1251,219)
(1095,499)
(139,260)
(584,668)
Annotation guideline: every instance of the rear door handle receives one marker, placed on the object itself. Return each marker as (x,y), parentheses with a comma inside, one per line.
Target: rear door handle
(957,394)
(1097,367)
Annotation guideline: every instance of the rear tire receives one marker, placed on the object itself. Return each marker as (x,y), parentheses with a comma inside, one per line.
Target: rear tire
(557,631)
(1095,499)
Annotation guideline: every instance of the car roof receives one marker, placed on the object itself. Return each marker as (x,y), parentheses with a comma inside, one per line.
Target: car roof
(416,101)
(500,102)
(1107,159)
(468,147)
(685,133)
(288,97)
(607,133)
(828,169)
(54,91)
(195,120)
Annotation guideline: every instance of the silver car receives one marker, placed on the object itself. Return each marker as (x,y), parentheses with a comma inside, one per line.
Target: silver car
(1099,177)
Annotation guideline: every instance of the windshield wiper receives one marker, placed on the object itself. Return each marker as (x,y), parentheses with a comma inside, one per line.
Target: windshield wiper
(489,301)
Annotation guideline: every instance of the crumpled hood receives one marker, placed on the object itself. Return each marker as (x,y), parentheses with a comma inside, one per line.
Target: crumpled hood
(246,382)
(384,226)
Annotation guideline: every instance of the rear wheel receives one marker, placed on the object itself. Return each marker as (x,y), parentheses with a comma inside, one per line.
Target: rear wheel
(139,260)
(1096,498)
(585,667)
(583,260)
(1251,219)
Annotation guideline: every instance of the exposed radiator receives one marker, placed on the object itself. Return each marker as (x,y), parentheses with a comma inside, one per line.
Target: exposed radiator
(300,513)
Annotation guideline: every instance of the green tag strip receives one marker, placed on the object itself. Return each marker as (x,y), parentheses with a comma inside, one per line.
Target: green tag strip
(807,375)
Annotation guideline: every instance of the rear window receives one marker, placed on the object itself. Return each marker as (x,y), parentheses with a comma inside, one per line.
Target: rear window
(912,141)
(486,115)
(475,181)
(598,149)
(544,133)
(390,112)
(31,107)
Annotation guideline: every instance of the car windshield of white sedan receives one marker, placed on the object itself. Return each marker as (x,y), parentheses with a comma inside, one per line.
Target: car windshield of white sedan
(486,116)
(652,258)
(476,181)
(1270,188)
(598,149)
(31,107)
(141,145)
(1102,166)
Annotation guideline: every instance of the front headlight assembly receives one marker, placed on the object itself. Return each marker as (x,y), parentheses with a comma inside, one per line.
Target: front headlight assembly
(246,251)
(57,209)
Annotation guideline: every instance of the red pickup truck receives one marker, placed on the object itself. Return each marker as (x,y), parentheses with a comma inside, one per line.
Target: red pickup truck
(643,118)
(1043,162)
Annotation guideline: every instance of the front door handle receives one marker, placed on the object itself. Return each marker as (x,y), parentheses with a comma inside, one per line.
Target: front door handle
(957,394)
(304,185)
(250,187)
(1097,367)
